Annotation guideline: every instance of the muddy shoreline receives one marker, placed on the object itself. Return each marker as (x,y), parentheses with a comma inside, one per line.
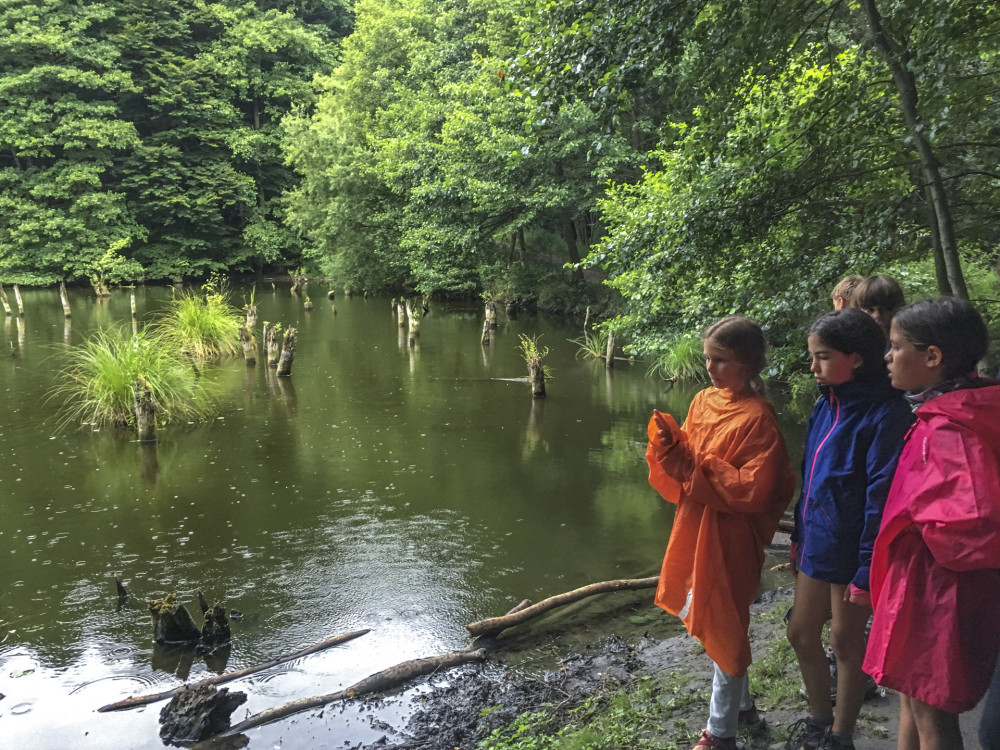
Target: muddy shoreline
(558,668)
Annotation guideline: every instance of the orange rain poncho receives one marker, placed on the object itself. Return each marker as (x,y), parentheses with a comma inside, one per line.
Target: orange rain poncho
(729,473)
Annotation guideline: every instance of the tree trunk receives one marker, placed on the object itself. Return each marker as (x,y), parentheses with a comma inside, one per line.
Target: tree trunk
(536,374)
(249,346)
(172,623)
(609,355)
(143,700)
(486,333)
(287,355)
(272,344)
(414,316)
(491,314)
(145,411)
(898,58)
(378,682)
(494,625)
(251,316)
(401,313)
(64,298)
(132,303)
(5,301)
(20,302)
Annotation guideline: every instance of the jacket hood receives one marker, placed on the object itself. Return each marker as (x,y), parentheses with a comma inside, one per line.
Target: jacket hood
(976,408)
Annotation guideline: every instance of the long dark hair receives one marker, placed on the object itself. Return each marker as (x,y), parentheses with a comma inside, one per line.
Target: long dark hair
(951,324)
(851,331)
(745,339)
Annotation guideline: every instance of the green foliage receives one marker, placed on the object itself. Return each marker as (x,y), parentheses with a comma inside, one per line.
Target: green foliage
(682,359)
(530,349)
(112,268)
(204,326)
(98,377)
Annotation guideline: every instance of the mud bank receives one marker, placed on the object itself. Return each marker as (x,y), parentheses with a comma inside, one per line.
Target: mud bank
(588,662)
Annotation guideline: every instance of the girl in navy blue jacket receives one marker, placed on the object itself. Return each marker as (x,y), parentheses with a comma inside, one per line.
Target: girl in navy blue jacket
(854,437)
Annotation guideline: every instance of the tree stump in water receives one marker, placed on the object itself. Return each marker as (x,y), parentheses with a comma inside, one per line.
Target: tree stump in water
(511,309)
(330,295)
(414,315)
(172,623)
(287,355)
(486,333)
(215,632)
(195,715)
(491,314)
(64,298)
(308,305)
(272,344)
(20,302)
(536,374)
(249,345)
(145,411)
(609,354)
(6,303)
(131,303)
(251,316)
(401,314)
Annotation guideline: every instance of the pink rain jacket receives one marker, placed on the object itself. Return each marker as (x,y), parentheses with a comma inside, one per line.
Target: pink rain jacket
(935,576)
(731,478)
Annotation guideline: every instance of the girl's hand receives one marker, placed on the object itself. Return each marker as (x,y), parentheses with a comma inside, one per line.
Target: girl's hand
(857,596)
(664,432)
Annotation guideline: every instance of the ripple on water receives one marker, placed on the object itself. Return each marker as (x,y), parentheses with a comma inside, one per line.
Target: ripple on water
(104,685)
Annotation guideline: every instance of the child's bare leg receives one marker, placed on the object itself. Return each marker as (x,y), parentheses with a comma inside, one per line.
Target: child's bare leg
(907,737)
(938,729)
(805,633)
(847,637)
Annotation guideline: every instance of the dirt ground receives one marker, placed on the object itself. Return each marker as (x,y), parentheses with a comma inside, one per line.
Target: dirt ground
(577,655)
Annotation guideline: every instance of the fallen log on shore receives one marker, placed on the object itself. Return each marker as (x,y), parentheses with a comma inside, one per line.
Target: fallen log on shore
(494,625)
(378,682)
(142,700)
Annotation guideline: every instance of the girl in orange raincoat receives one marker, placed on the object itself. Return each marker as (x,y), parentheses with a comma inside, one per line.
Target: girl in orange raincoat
(729,473)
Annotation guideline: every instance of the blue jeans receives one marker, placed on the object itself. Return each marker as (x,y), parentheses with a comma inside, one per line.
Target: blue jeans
(730,695)
(989,728)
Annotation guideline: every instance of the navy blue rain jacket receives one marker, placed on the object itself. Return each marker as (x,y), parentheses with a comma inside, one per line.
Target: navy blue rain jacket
(854,437)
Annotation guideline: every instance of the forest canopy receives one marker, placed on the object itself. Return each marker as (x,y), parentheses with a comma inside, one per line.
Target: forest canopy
(668,162)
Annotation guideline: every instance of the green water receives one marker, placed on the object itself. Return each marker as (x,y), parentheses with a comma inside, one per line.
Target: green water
(409,490)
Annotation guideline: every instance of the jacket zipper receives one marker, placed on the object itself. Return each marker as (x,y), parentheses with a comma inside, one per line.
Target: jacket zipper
(834,403)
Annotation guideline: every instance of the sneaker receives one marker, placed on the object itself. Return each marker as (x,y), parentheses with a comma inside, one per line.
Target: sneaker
(806,734)
(834,741)
(709,740)
(751,719)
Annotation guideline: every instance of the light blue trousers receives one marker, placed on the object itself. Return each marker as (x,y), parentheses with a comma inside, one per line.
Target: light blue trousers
(730,695)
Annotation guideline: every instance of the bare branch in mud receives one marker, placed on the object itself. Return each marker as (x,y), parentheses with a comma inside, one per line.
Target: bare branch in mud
(142,700)
(494,625)
(378,682)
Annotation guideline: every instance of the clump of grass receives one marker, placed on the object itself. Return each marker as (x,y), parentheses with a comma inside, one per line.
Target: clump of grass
(683,359)
(97,382)
(532,352)
(204,326)
(591,345)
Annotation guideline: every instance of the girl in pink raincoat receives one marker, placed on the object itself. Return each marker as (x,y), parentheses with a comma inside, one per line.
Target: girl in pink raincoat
(935,574)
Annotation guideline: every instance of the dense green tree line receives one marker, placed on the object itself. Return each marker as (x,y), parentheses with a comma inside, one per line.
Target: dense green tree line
(703,157)
(151,131)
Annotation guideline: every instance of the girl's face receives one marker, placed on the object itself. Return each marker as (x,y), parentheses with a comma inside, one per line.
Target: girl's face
(830,366)
(725,368)
(911,368)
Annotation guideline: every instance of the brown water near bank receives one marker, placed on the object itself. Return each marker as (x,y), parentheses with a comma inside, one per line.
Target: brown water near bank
(409,490)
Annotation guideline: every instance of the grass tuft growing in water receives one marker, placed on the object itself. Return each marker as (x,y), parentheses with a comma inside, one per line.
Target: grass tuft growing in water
(97,381)
(683,359)
(204,326)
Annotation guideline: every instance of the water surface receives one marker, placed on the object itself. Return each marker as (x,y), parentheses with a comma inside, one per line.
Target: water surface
(406,489)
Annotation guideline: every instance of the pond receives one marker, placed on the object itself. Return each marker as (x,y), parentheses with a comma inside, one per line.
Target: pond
(406,489)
